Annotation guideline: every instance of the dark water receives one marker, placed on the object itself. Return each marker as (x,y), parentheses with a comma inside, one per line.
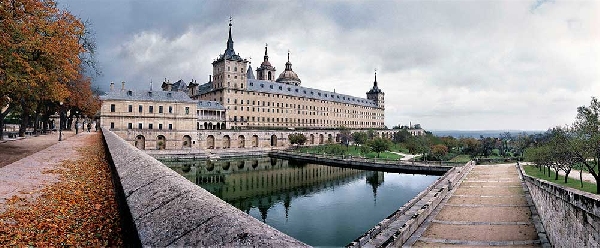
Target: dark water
(319,205)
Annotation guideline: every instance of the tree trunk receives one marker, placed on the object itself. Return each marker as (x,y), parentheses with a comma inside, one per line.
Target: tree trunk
(24,122)
(1,128)
(581,176)
(555,174)
(567,175)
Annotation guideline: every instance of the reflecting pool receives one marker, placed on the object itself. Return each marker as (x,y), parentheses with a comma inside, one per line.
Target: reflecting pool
(317,204)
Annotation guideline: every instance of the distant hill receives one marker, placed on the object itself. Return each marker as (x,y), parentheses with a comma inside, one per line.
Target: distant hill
(477,134)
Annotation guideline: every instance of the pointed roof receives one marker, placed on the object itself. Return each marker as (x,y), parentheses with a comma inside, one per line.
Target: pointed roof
(266,65)
(229,53)
(375,89)
(250,73)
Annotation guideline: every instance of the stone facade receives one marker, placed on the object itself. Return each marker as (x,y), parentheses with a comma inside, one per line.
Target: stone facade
(266,102)
(570,217)
(236,110)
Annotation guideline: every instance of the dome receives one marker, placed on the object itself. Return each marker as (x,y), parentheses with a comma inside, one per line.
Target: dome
(288,76)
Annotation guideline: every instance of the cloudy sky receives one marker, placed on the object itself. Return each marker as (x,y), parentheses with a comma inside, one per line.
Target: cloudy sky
(463,65)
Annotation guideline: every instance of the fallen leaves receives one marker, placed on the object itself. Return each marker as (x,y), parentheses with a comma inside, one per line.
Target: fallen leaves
(79,210)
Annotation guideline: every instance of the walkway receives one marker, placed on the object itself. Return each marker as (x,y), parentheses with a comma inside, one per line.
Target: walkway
(12,150)
(27,176)
(405,157)
(488,208)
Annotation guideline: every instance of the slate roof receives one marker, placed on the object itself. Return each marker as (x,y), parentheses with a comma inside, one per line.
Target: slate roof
(143,95)
(202,104)
(299,91)
(179,86)
(250,73)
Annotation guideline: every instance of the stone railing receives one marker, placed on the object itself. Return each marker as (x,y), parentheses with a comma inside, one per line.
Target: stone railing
(571,218)
(168,210)
(439,190)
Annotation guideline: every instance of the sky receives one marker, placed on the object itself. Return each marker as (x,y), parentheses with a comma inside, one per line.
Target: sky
(447,65)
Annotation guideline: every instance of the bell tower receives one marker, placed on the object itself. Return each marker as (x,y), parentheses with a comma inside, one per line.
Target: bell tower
(229,69)
(266,71)
(376,94)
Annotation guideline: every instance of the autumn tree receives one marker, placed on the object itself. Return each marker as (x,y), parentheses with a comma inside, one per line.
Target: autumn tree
(439,151)
(40,50)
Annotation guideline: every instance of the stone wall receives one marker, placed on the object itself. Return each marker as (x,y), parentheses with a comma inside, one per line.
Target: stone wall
(169,210)
(571,217)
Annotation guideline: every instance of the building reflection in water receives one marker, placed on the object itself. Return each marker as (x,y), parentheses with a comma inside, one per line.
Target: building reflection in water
(264,182)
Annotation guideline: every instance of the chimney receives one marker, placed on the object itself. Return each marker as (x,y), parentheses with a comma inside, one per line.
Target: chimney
(112,86)
(209,78)
(123,86)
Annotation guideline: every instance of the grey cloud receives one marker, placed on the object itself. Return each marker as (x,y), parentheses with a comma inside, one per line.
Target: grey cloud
(438,62)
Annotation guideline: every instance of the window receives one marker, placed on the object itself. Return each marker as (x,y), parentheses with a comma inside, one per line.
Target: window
(139,125)
(151,109)
(150,126)
(112,125)
(170,126)
(140,108)
(159,126)
(129,125)
(112,108)
(130,108)
(187,110)
(160,109)
(170,109)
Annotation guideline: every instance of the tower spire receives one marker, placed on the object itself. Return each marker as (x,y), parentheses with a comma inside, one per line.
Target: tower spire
(229,40)
(375,82)
(266,55)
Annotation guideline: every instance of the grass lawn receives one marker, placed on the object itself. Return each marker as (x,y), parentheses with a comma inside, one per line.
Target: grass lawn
(351,150)
(461,159)
(573,183)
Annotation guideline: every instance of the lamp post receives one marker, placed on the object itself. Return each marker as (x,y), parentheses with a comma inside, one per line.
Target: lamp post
(60,115)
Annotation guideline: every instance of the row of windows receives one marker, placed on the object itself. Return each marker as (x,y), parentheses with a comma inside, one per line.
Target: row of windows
(299,121)
(299,98)
(141,126)
(150,109)
(291,105)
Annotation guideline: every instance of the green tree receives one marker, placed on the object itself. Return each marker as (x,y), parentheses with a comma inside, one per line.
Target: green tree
(297,138)
(345,136)
(379,145)
(360,138)
(587,138)
(401,136)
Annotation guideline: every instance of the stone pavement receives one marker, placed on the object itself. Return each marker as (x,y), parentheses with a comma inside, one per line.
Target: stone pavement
(490,207)
(12,150)
(27,176)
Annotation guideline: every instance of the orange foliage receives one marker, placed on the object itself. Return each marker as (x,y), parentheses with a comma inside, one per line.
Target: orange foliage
(82,96)
(39,50)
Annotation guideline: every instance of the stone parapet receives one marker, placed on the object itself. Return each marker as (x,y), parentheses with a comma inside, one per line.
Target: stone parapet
(398,227)
(571,218)
(169,210)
